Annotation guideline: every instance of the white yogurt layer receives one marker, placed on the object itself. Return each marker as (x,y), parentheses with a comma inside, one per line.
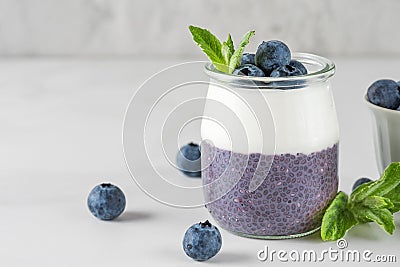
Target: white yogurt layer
(299,120)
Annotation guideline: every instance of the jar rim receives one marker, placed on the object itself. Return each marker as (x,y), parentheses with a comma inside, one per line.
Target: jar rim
(325,70)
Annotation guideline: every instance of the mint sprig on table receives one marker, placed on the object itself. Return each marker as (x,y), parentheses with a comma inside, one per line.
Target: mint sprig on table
(375,201)
(222,54)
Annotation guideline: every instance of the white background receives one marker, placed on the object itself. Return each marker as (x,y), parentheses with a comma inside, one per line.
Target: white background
(61,124)
(157,28)
(62,108)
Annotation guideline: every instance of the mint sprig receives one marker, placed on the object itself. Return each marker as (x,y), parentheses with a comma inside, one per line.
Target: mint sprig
(210,45)
(337,218)
(222,54)
(230,44)
(375,201)
(394,197)
(237,55)
(226,52)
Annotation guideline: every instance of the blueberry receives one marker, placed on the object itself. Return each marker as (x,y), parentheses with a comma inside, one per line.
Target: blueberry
(188,160)
(271,55)
(384,93)
(247,58)
(202,241)
(298,65)
(284,71)
(360,182)
(249,70)
(106,201)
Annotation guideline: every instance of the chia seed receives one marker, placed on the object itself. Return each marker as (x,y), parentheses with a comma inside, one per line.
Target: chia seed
(287,201)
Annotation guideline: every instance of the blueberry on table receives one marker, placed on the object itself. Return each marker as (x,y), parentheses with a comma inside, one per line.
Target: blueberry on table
(188,160)
(284,71)
(271,55)
(298,65)
(106,201)
(249,70)
(202,241)
(360,182)
(384,93)
(247,58)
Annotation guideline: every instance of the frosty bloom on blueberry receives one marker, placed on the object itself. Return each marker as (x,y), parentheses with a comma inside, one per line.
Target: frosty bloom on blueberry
(273,58)
(284,71)
(249,70)
(271,55)
(384,93)
(106,201)
(298,65)
(202,241)
(248,58)
(188,160)
(359,182)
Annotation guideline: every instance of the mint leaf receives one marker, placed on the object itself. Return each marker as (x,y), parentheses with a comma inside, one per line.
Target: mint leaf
(226,51)
(377,202)
(381,216)
(229,42)
(394,197)
(370,203)
(337,219)
(374,201)
(223,55)
(211,46)
(237,55)
(389,181)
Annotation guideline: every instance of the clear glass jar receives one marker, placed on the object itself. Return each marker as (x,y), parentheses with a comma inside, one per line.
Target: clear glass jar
(270,151)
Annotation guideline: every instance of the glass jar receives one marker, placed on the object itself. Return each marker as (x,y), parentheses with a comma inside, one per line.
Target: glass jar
(270,150)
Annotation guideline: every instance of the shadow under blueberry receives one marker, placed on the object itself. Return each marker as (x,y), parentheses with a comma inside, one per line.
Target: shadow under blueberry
(230,257)
(133,216)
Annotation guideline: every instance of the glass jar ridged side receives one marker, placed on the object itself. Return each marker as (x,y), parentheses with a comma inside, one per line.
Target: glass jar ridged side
(271,169)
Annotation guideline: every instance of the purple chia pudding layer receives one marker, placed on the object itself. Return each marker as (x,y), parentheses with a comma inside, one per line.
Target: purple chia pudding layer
(269,195)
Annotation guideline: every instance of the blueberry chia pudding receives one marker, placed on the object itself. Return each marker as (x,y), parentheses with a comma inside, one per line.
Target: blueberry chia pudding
(280,105)
(290,198)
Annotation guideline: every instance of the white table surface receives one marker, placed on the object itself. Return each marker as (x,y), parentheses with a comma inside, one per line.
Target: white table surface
(61,125)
